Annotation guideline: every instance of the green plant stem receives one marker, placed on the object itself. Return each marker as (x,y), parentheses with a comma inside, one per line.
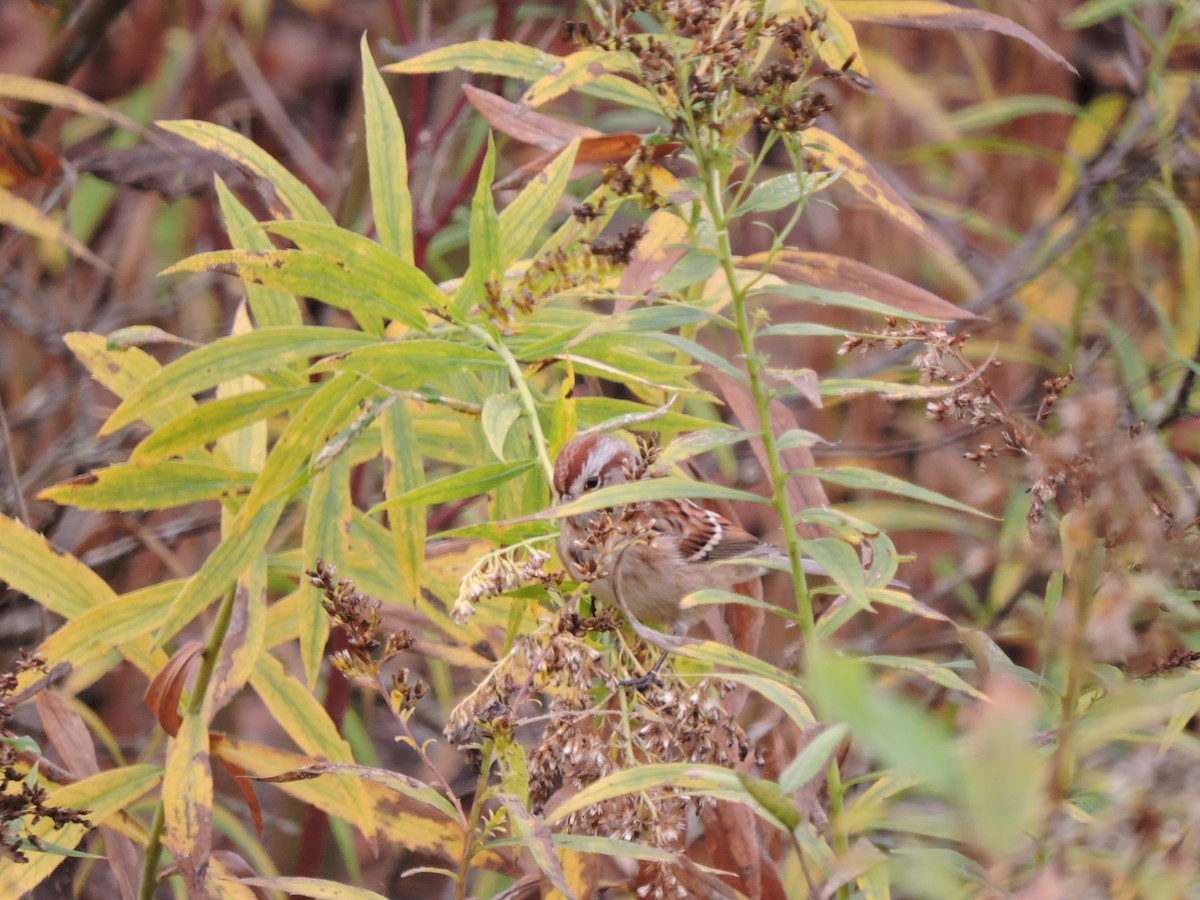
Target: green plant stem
(527,401)
(762,400)
(841,840)
(464,864)
(149,881)
(208,665)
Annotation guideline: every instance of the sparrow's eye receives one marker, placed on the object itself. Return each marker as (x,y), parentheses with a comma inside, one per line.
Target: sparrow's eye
(591,483)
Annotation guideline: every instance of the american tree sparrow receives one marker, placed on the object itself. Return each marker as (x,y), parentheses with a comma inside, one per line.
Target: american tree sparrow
(678,547)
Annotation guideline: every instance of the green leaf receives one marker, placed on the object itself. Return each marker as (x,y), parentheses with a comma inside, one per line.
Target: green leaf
(785,696)
(896,730)
(406,289)
(331,408)
(523,219)
(387,162)
(217,417)
(575,70)
(282,190)
(866,479)
(269,306)
(468,483)
(326,531)
(155,485)
(500,413)
(840,563)
(927,669)
(822,297)
(694,267)
(486,270)
(408,364)
(669,488)
(811,761)
(306,722)
(307,274)
(403,472)
(261,350)
(785,190)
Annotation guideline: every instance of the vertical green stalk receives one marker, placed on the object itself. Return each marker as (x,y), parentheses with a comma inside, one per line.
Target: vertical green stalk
(527,401)
(208,665)
(714,190)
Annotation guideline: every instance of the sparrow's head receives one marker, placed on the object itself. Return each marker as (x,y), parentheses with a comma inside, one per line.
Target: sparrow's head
(590,462)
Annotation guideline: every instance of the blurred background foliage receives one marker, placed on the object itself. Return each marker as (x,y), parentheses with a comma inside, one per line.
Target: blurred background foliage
(1068,201)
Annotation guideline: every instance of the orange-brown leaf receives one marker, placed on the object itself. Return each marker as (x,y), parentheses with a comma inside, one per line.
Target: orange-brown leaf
(165,690)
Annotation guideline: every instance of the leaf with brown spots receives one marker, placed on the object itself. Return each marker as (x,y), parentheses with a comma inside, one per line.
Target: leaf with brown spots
(833,153)
(831,272)
(924,14)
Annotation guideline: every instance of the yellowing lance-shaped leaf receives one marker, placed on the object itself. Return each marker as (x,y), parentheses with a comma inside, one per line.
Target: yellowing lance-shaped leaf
(834,153)
(237,551)
(57,581)
(122,371)
(334,405)
(506,58)
(387,162)
(301,715)
(841,44)
(577,69)
(284,192)
(933,14)
(468,483)
(187,802)
(866,479)
(124,620)
(159,485)
(403,471)
(406,364)
(405,288)
(244,448)
(534,835)
(224,415)
(326,537)
(688,778)
(315,275)
(24,216)
(228,357)
(244,640)
(104,795)
(522,219)
(270,306)
(317,888)
(404,822)
(486,271)
(646,490)
(410,787)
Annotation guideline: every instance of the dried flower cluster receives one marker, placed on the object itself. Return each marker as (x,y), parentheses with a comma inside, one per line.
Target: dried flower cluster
(497,572)
(22,799)
(971,399)
(358,616)
(705,63)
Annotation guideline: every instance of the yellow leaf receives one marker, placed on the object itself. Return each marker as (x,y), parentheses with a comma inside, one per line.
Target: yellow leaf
(187,801)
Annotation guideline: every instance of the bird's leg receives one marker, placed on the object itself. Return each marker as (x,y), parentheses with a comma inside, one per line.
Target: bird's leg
(650,678)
